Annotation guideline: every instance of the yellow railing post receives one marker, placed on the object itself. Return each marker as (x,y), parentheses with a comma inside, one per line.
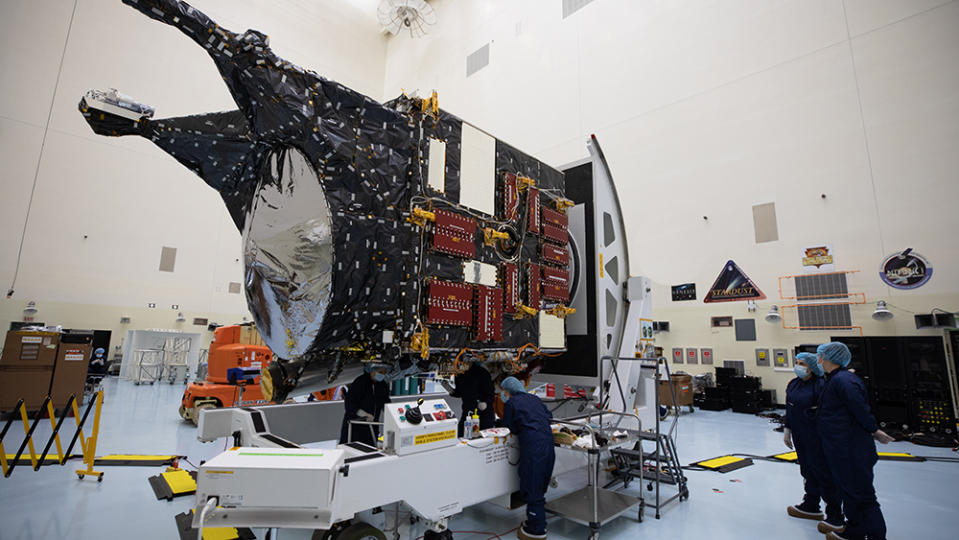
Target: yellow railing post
(90,448)
(76,418)
(26,432)
(53,425)
(3,458)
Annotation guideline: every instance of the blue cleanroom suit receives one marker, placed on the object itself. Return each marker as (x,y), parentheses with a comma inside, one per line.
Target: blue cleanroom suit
(845,428)
(527,418)
(802,398)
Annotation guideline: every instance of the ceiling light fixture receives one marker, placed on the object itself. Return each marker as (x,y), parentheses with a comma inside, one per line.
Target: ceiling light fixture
(881,313)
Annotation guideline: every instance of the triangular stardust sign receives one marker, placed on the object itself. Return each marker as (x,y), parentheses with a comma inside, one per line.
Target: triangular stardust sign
(733,285)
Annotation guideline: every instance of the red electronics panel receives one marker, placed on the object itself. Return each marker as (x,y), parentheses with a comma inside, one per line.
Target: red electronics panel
(555,284)
(555,218)
(555,234)
(554,291)
(488,323)
(555,254)
(556,275)
(510,280)
(555,225)
(532,286)
(510,198)
(454,234)
(449,303)
(533,220)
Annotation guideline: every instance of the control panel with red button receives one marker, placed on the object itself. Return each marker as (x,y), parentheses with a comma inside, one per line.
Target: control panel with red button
(417,426)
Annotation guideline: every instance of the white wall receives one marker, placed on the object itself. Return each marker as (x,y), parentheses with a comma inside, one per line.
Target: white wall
(125,195)
(702,108)
(707,108)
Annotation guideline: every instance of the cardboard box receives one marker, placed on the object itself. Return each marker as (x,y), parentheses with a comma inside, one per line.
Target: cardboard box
(70,371)
(250,336)
(683,388)
(24,349)
(31,384)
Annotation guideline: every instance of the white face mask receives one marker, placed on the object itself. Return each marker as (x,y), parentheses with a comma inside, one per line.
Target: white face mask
(379,377)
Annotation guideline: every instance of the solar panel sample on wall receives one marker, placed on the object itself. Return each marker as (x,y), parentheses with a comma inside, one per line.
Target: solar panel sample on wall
(821,286)
(816,316)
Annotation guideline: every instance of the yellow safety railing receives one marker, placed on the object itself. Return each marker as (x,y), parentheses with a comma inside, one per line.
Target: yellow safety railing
(88,445)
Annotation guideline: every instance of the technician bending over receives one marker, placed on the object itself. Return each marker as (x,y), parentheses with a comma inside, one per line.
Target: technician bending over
(802,398)
(475,388)
(364,400)
(527,418)
(847,430)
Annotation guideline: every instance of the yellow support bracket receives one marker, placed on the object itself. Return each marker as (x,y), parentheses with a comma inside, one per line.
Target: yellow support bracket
(420,217)
(490,236)
(563,204)
(561,311)
(431,105)
(524,311)
(420,342)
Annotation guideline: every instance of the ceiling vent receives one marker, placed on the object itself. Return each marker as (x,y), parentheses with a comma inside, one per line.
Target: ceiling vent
(572,6)
(477,60)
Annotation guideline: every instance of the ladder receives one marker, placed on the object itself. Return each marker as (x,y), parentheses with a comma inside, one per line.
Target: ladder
(653,458)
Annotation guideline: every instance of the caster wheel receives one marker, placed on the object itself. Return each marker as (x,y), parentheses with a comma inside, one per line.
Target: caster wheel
(100,478)
(360,531)
(79,477)
(649,486)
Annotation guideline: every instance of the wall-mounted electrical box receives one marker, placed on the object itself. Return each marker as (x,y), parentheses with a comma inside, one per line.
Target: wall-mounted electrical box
(781,359)
(762,357)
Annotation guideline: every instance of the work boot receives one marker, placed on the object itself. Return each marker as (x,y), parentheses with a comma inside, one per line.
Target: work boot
(523,534)
(805,511)
(832,524)
(834,536)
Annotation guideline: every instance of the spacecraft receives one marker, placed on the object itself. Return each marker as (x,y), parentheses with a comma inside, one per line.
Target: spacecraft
(391,233)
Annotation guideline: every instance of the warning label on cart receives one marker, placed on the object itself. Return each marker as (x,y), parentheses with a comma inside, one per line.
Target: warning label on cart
(496,454)
(434,437)
(449,509)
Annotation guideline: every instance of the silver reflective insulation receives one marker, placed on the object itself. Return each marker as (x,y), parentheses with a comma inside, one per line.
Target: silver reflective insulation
(288,253)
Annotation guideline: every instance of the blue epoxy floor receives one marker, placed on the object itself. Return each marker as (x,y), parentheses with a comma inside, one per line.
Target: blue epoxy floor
(918,499)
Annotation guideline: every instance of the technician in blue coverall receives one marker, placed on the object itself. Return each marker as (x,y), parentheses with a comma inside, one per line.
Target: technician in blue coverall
(527,418)
(847,429)
(802,398)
